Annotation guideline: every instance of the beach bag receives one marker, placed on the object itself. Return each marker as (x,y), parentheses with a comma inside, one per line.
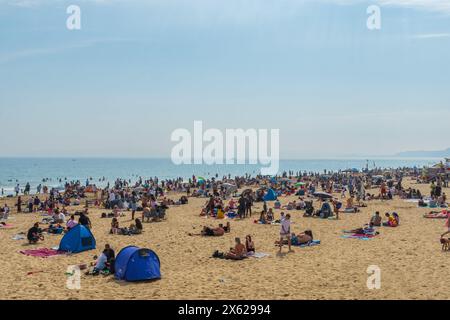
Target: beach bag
(218,255)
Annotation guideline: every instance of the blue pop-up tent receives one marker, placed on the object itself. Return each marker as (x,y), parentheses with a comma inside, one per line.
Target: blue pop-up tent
(270,195)
(137,264)
(78,239)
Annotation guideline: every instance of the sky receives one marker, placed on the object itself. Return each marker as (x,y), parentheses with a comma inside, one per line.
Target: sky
(137,70)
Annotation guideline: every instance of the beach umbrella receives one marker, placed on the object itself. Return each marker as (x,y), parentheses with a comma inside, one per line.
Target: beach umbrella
(201,180)
(299,184)
(322,195)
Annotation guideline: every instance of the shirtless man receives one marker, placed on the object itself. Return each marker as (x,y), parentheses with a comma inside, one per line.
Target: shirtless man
(238,252)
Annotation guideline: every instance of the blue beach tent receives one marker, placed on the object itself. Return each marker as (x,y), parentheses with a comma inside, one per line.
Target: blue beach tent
(270,195)
(137,264)
(78,239)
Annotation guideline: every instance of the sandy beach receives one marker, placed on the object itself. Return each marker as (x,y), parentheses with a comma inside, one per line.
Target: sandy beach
(410,257)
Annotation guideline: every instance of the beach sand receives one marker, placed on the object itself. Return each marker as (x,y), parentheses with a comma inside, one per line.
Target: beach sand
(410,257)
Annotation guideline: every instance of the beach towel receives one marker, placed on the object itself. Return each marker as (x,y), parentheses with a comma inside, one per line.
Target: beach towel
(231,215)
(358,236)
(257,255)
(18,237)
(310,244)
(273,223)
(42,252)
(6,226)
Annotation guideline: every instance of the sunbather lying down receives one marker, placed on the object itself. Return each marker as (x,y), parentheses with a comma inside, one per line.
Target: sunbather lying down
(213,232)
(437,214)
(302,238)
(364,230)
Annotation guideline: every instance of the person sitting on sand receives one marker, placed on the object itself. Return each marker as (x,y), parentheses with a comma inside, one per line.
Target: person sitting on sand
(100,265)
(269,216)
(349,204)
(115,228)
(289,206)
(277,204)
(136,227)
(35,234)
(226,228)
(71,223)
(220,213)
(238,252)
(262,218)
(54,229)
(6,211)
(375,221)
(60,217)
(116,211)
(249,244)
(393,220)
(232,205)
(301,204)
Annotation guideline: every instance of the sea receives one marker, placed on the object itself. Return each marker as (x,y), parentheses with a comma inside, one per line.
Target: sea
(100,171)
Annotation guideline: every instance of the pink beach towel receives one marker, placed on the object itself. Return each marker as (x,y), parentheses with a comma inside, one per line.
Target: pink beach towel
(6,226)
(42,252)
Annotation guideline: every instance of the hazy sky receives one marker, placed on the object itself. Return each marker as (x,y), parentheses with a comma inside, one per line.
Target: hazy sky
(137,70)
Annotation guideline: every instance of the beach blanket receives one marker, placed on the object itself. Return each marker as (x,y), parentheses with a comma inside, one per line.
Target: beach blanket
(358,236)
(435,215)
(258,255)
(231,215)
(274,223)
(42,252)
(310,244)
(19,237)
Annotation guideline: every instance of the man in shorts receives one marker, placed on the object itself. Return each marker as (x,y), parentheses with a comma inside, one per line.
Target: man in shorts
(286,231)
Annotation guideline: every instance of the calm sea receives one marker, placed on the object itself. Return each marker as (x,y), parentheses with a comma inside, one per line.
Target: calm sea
(34,170)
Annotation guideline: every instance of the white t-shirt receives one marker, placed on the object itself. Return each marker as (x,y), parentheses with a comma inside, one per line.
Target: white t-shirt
(101,262)
(285,226)
(61,216)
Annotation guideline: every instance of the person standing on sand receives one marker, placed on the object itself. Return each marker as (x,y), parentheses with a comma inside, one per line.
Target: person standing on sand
(286,232)
(241,207)
(336,208)
(19,204)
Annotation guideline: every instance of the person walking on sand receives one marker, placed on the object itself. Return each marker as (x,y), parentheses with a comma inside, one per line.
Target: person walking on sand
(285,232)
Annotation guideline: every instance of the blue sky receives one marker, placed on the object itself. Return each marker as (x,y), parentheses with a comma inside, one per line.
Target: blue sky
(137,70)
